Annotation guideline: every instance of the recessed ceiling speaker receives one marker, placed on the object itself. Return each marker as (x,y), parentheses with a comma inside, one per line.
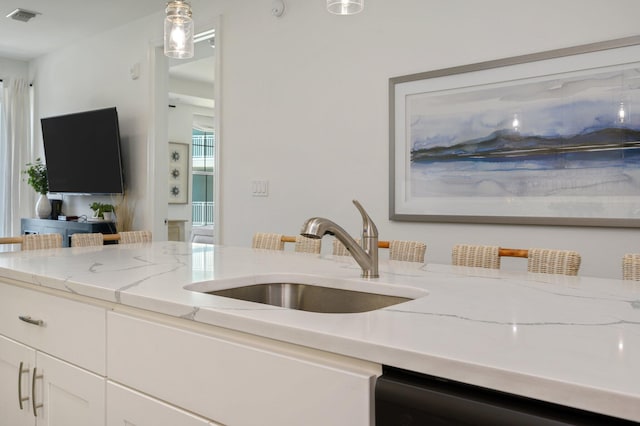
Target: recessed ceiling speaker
(22,15)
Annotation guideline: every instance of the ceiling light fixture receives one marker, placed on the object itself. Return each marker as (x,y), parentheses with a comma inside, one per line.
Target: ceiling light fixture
(178,30)
(22,15)
(345,7)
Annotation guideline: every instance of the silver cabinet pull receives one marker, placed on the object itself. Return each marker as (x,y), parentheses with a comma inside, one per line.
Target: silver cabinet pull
(33,392)
(30,320)
(21,398)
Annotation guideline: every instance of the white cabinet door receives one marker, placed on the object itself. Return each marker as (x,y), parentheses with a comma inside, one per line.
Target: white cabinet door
(70,396)
(15,385)
(126,407)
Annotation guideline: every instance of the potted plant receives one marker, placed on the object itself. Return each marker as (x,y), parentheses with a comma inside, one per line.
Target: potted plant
(99,210)
(37,178)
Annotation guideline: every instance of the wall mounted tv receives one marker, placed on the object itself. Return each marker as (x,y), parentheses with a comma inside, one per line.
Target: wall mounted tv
(82,152)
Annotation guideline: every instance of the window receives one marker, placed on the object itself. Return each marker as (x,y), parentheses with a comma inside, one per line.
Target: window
(202,167)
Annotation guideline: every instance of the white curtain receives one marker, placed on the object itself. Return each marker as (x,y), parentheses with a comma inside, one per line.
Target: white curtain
(16,150)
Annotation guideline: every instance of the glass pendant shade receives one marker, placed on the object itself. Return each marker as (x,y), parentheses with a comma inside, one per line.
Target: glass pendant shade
(178,30)
(345,7)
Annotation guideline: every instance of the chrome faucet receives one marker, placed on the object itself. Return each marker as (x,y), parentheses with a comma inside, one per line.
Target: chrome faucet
(365,254)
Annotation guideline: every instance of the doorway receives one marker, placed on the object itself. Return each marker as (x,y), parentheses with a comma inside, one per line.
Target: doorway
(192,119)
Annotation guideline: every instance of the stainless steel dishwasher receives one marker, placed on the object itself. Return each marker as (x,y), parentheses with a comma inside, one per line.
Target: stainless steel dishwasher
(405,398)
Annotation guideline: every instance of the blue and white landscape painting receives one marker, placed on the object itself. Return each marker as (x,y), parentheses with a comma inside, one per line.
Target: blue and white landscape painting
(566,135)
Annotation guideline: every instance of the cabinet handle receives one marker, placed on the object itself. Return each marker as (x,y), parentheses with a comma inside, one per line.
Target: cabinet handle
(33,392)
(30,320)
(21,398)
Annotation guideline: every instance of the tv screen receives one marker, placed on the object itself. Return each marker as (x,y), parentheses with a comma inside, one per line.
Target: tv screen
(82,152)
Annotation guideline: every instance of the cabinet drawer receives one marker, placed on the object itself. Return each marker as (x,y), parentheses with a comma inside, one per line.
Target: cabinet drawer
(70,330)
(234,383)
(128,407)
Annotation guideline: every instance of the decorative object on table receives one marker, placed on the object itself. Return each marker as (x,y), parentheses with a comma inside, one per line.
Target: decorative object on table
(37,178)
(178,173)
(56,209)
(124,214)
(547,138)
(43,207)
(99,210)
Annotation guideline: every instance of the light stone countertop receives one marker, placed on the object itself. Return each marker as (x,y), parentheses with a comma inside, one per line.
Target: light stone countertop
(571,340)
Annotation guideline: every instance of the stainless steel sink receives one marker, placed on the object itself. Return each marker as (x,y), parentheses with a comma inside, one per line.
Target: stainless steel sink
(312,297)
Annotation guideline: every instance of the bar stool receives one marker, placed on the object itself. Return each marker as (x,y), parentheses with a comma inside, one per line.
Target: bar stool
(307,245)
(41,241)
(548,261)
(268,241)
(408,251)
(477,256)
(631,266)
(131,237)
(87,240)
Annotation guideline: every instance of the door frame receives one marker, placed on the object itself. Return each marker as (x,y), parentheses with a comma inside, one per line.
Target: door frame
(158,140)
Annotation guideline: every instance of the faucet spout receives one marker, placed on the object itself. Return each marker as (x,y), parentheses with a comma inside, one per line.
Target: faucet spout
(365,254)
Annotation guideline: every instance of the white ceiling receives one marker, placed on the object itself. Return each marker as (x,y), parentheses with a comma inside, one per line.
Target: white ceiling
(62,22)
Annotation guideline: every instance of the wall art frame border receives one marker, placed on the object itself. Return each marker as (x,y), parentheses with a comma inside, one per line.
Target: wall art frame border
(178,173)
(405,205)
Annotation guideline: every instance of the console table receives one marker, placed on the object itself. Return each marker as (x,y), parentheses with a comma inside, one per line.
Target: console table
(64,228)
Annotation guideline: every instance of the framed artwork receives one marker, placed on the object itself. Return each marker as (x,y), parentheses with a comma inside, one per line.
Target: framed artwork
(178,173)
(551,138)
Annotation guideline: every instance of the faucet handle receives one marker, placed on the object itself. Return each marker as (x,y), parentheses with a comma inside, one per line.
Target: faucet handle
(368,227)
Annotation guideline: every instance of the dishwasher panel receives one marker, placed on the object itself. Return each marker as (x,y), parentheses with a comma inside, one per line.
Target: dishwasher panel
(405,398)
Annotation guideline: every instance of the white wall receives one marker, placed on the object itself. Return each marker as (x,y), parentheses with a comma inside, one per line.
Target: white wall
(13,68)
(304,105)
(305,100)
(95,73)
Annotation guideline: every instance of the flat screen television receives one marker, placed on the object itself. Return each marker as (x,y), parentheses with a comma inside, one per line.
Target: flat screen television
(82,152)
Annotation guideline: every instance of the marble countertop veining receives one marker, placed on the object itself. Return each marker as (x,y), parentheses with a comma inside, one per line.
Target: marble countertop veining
(572,340)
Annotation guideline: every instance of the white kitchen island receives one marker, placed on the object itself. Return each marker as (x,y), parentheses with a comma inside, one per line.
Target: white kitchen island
(568,340)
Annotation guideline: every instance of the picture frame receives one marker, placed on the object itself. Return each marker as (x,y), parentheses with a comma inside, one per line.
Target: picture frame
(550,138)
(178,173)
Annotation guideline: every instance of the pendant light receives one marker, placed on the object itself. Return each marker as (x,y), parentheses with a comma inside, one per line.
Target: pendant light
(178,30)
(345,7)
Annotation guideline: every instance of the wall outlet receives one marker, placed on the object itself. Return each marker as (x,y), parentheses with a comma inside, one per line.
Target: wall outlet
(260,188)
